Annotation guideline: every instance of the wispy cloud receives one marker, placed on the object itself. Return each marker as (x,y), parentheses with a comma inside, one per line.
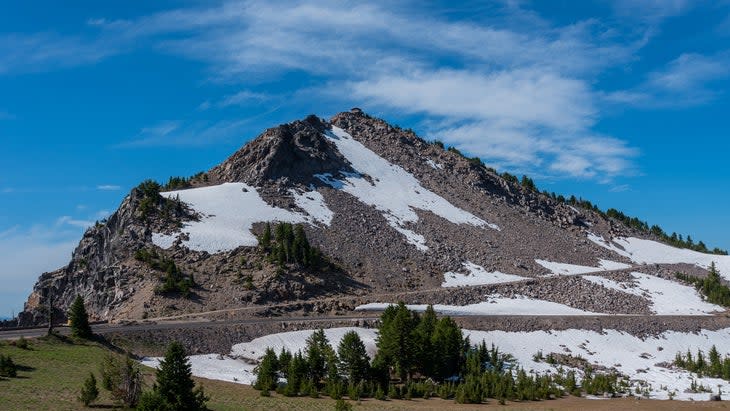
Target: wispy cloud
(37,52)
(685,81)
(244,97)
(68,220)
(506,85)
(184,134)
(4,115)
(108,187)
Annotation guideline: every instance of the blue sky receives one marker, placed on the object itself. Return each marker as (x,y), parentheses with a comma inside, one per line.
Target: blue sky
(624,103)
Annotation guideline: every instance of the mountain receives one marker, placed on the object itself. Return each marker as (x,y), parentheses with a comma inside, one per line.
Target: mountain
(394,218)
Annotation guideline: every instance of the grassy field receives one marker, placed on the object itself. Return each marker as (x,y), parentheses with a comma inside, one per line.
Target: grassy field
(53,371)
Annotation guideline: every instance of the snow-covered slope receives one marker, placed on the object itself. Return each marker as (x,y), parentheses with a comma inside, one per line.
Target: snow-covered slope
(643,251)
(667,297)
(228,213)
(638,358)
(391,190)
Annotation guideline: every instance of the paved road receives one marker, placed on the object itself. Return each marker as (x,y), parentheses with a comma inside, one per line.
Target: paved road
(196,324)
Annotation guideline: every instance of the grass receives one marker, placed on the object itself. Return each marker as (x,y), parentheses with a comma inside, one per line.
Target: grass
(53,370)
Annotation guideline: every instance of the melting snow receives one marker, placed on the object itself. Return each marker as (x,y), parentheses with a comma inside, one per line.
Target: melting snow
(667,297)
(312,202)
(496,305)
(643,251)
(572,269)
(228,213)
(633,356)
(477,275)
(391,190)
(434,164)
(630,355)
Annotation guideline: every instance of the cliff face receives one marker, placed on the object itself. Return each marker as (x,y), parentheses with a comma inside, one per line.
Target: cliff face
(392,212)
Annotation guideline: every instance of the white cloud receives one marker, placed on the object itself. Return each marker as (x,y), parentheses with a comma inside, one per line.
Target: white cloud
(188,134)
(37,52)
(108,187)
(691,71)
(684,82)
(68,220)
(243,97)
(651,11)
(527,81)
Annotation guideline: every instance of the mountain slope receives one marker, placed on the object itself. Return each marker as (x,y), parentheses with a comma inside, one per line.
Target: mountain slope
(398,218)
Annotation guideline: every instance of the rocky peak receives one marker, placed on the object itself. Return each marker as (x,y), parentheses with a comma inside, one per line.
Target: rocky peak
(294,151)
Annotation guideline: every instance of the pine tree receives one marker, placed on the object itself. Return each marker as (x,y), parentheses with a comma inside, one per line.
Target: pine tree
(266,378)
(175,383)
(265,240)
(354,362)
(447,342)
(316,354)
(395,341)
(89,392)
(423,333)
(79,319)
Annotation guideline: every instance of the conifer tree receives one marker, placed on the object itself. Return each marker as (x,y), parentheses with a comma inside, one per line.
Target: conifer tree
(316,354)
(354,361)
(79,319)
(266,378)
(89,392)
(265,241)
(175,383)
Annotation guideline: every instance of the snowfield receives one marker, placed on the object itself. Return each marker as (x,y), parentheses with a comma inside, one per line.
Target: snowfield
(495,305)
(632,356)
(238,366)
(228,212)
(572,269)
(477,275)
(391,190)
(643,251)
(667,297)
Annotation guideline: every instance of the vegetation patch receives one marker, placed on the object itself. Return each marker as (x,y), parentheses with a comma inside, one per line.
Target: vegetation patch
(711,286)
(174,280)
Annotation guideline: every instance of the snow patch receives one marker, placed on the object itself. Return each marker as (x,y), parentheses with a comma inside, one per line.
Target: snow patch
(667,297)
(163,241)
(228,212)
(312,202)
(391,189)
(495,305)
(477,275)
(434,165)
(643,251)
(572,269)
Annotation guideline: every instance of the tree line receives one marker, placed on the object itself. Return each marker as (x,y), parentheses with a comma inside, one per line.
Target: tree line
(711,365)
(633,222)
(711,286)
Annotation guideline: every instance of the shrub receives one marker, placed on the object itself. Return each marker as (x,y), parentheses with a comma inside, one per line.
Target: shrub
(89,392)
